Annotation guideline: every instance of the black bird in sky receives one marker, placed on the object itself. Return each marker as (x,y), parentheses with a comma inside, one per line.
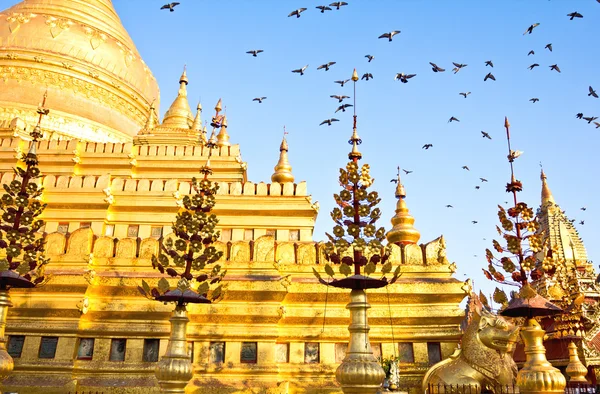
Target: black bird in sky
(300,70)
(590,119)
(534,100)
(583,208)
(435,68)
(370,57)
(390,35)
(486,135)
(323,8)
(465,168)
(342,83)
(255,52)
(597,124)
(592,92)
(477,187)
(474,221)
(531,52)
(449,206)
(297,12)
(530,28)
(574,15)
(326,66)
(259,99)
(549,47)
(453,119)
(170,6)
(582,222)
(427,146)
(343,107)
(579,115)
(339,97)
(338,4)
(489,76)
(483,180)
(458,66)
(489,63)
(465,94)
(554,67)
(534,65)
(329,121)
(407,171)
(367,76)
(404,77)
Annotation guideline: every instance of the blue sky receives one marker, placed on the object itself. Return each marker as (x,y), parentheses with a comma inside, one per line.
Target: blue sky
(395,120)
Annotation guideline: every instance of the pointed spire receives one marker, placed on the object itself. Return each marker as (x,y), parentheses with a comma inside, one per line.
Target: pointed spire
(283,169)
(355,139)
(197,125)
(223,137)
(179,114)
(403,231)
(546,193)
(151,121)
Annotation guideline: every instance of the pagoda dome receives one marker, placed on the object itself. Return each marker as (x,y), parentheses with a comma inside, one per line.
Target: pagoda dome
(99,88)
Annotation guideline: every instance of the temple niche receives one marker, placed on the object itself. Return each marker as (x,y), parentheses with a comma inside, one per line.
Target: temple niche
(105,223)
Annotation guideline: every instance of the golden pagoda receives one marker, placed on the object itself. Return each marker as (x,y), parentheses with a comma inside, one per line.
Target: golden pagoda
(114,177)
(573,286)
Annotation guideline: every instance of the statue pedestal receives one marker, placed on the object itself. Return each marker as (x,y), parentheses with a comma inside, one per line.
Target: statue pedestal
(174,370)
(6,362)
(537,376)
(360,372)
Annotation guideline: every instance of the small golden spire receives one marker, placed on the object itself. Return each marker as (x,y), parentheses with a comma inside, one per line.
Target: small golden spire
(223,137)
(151,121)
(546,193)
(197,125)
(403,231)
(179,115)
(283,169)
(355,141)
(219,106)
(354,76)
(203,135)
(575,369)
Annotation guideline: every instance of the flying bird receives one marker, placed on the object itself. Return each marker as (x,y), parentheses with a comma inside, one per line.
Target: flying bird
(367,76)
(407,172)
(583,208)
(297,12)
(465,94)
(592,92)
(170,6)
(449,206)
(458,66)
(489,63)
(259,99)
(533,66)
(326,66)
(534,100)
(436,68)
(514,154)
(323,8)
(338,4)
(531,52)
(579,115)
(404,77)
(489,76)
(486,135)
(597,124)
(390,35)
(342,83)
(590,119)
(582,222)
(530,28)
(483,180)
(474,221)
(300,70)
(574,15)
(328,121)
(340,98)
(370,57)
(343,107)
(554,67)
(255,52)
(477,187)
(453,119)
(549,46)
(465,168)
(427,146)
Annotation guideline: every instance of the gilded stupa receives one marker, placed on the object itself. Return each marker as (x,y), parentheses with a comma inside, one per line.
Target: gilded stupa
(114,174)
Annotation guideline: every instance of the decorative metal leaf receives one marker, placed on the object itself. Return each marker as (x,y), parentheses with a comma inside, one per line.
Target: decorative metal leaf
(316,273)
(146,287)
(483,299)
(163,285)
(345,269)
(328,270)
(500,297)
(369,268)
(387,267)
(203,288)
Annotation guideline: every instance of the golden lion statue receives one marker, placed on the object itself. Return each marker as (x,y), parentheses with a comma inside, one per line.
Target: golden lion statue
(484,358)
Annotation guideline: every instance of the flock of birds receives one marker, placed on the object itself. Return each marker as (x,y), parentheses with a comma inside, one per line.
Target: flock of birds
(406,77)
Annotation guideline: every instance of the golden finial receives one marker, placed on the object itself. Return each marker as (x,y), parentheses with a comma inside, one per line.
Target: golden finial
(403,231)
(283,169)
(575,369)
(223,136)
(506,124)
(197,125)
(355,139)
(219,106)
(546,193)
(179,115)
(151,121)
(354,76)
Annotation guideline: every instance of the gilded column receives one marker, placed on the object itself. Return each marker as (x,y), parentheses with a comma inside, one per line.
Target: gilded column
(359,373)
(575,369)
(174,370)
(6,361)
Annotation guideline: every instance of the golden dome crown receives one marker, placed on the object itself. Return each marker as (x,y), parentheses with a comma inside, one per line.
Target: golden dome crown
(98,85)
(403,231)
(283,169)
